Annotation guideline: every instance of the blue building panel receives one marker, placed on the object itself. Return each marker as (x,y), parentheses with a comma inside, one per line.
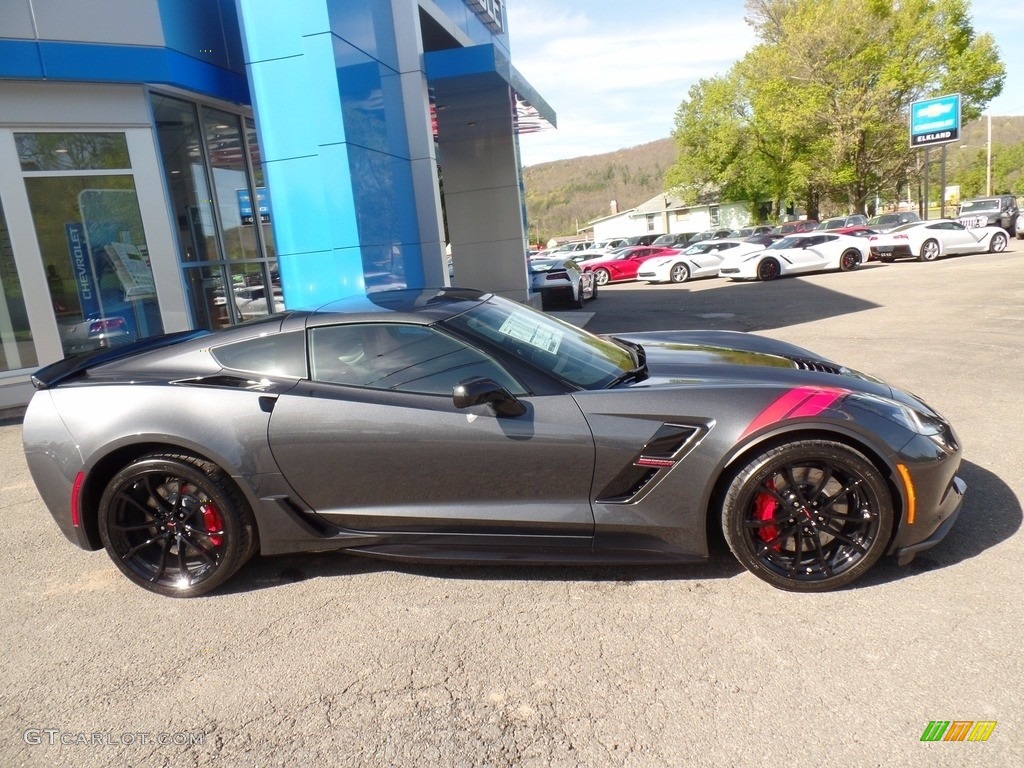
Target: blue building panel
(367,26)
(93,62)
(204,30)
(20,59)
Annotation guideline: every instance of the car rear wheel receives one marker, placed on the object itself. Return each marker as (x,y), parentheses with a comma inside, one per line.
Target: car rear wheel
(929,251)
(679,273)
(176,525)
(850,260)
(808,516)
(578,301)
(768,269)
(602,276)
(998,243)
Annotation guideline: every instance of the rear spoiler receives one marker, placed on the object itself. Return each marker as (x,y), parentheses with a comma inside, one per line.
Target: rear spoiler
(53,374)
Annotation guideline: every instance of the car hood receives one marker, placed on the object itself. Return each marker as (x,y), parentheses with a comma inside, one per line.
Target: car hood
(689,357)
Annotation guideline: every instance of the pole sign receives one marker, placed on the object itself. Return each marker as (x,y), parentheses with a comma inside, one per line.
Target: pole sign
(935,121)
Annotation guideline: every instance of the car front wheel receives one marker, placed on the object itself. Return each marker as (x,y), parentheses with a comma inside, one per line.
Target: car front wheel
(808,516)
(679,273)
(176,524)
(602,276)
(929,251)
(998,243)
(768,269)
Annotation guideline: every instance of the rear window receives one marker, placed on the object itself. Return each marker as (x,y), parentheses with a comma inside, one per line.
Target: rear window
(279,354)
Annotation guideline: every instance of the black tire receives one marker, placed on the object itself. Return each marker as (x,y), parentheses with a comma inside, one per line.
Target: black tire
(593,293)
(174,543)
(679,273)
(835,523)
(602,277)
(578,301)
(998,243)
(850,260)
(768,269)
(929,251)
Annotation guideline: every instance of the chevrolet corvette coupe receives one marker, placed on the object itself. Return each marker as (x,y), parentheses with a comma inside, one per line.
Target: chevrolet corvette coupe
(797,255)
(928,240)
(453,425)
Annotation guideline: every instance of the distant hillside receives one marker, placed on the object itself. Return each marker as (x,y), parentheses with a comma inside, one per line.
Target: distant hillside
(562,196)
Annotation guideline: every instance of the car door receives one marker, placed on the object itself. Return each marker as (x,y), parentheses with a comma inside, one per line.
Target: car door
(810,257)
(373,441)
(955,237)
(708,263)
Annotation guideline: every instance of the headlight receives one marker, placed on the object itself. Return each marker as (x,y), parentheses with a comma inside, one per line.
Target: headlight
(914,420)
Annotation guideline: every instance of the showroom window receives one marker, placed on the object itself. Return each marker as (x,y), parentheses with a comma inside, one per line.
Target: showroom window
(215,180)
(81,192)
(16,348)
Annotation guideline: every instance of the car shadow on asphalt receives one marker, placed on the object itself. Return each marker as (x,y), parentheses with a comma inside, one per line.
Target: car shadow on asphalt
(729,307)
(991,514)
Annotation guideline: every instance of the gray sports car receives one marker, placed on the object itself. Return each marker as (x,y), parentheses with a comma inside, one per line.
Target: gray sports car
(458,426)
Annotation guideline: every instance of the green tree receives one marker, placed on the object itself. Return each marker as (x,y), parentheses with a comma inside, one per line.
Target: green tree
(818,110)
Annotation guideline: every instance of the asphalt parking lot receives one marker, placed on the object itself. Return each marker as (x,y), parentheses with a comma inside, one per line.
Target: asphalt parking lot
(332,660)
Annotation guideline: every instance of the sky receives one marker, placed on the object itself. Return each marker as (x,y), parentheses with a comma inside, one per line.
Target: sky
(615,71)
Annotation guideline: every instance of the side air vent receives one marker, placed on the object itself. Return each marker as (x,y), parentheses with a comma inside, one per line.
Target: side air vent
(805,364)
(662,452)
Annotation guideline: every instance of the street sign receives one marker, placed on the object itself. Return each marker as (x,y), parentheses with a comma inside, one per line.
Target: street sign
(935,121)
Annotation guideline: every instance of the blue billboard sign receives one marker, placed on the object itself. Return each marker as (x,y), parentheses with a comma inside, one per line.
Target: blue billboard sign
(935,121)
(245,205)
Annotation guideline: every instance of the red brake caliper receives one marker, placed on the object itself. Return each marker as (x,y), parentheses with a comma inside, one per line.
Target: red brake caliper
(765,506)
(212,521)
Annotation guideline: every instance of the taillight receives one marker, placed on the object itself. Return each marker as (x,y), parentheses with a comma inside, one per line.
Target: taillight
(562,275)
(107,324)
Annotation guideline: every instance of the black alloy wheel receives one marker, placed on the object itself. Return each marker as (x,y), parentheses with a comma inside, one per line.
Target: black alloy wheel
(768,269)
(176,525)
(679,273)
(808,516)
(850,260)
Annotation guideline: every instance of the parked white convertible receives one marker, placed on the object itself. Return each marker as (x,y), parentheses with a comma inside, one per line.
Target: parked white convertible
(928,240)
(699,260)
(797,254)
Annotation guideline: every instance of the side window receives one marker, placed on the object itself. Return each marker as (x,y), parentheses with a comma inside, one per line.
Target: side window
(278,354)
(404,358)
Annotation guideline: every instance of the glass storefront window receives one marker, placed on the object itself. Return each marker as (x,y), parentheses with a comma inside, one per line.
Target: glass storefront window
(224,234)
(72,151)
(209,296)
(16,348)
(237,210)
(94,250)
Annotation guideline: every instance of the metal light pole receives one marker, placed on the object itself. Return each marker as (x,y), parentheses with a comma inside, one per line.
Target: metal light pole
(988,158)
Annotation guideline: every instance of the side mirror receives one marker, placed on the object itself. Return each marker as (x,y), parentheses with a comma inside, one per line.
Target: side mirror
(479,389)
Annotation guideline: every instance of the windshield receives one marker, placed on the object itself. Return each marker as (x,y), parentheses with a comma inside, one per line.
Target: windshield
(979,205)
(559,349)
(787,242)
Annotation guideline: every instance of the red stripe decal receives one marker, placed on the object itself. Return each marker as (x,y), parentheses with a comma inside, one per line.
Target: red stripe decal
(801,402)
(646,461)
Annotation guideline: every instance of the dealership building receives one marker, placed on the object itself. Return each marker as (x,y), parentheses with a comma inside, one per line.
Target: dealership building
(177,164)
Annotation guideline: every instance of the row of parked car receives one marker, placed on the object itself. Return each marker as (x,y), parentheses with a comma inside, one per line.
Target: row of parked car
(574,272)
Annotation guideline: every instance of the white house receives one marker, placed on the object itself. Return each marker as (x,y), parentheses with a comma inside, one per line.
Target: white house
(667,213)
